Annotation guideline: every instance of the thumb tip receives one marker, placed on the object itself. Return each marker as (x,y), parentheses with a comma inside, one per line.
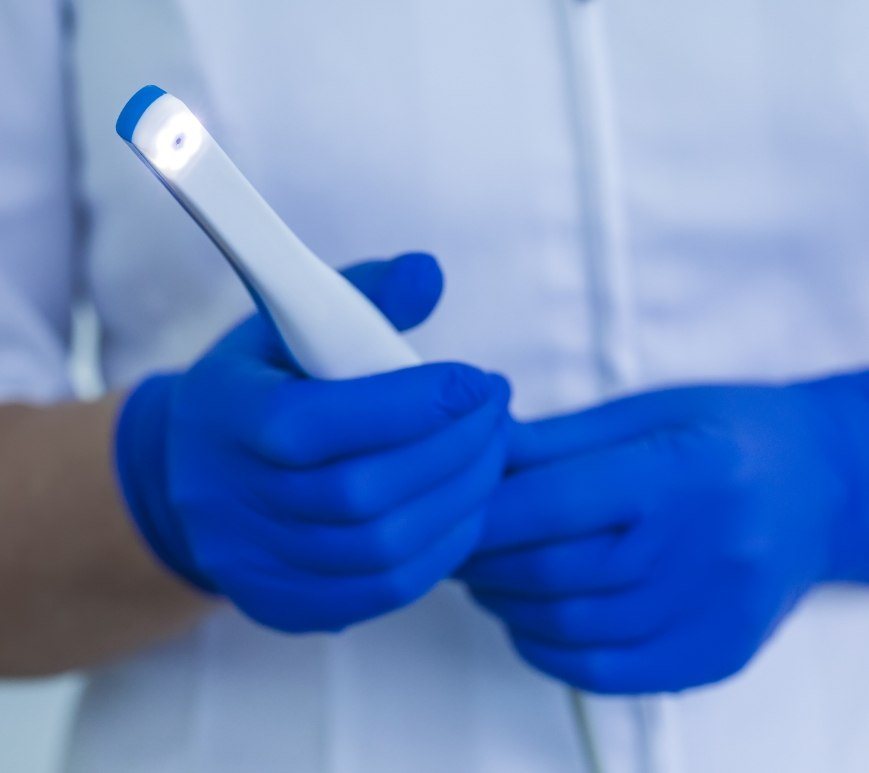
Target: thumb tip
(466,388)
(412,289)
(422,271)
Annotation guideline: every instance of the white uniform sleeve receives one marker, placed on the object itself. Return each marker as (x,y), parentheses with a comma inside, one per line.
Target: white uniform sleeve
(36,205)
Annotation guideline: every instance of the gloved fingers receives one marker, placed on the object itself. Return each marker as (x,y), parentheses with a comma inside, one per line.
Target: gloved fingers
(675,661)
(406,289)
(301,424)
(617,422)
(617,487)
(576,497)
(367,487)
(395,538)
(621,617)
(412,527)
(285,599)
(607,561)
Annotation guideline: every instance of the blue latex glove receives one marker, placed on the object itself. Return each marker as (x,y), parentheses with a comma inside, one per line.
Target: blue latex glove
(312,505)
(654,543)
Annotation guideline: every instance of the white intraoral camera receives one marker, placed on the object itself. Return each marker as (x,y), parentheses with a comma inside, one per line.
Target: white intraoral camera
(331,329)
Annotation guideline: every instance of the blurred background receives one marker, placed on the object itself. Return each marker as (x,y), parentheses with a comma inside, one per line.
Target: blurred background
(34,718)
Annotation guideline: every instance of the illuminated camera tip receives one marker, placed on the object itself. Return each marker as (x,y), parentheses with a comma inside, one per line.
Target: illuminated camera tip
(177,142)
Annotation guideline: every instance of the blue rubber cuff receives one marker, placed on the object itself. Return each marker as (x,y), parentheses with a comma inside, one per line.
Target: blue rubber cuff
(140,458)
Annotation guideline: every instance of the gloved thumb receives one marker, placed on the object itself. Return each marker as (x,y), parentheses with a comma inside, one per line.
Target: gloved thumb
(406,289)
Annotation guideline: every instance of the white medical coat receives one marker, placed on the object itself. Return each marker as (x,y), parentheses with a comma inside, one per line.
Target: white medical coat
(621,193)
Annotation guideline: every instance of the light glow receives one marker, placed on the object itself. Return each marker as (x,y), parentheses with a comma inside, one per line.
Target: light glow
(177,141)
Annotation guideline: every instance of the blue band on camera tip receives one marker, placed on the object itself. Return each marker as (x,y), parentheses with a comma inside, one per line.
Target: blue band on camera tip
(135,109)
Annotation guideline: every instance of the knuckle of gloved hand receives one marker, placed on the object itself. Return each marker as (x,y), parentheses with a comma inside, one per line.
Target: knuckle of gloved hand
(463,389)
(384,547)
(354,493)
(396,589)
(293,448)
(282,428)
(561,621)
(638,558)
(543,575)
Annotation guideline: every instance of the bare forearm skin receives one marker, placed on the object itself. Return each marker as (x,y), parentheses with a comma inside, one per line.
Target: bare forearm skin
(77,585)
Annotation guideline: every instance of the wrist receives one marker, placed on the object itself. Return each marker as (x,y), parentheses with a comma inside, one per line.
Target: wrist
(141,468)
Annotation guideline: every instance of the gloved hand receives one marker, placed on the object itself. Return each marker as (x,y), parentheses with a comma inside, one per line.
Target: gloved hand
(655,543)
(312,505)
